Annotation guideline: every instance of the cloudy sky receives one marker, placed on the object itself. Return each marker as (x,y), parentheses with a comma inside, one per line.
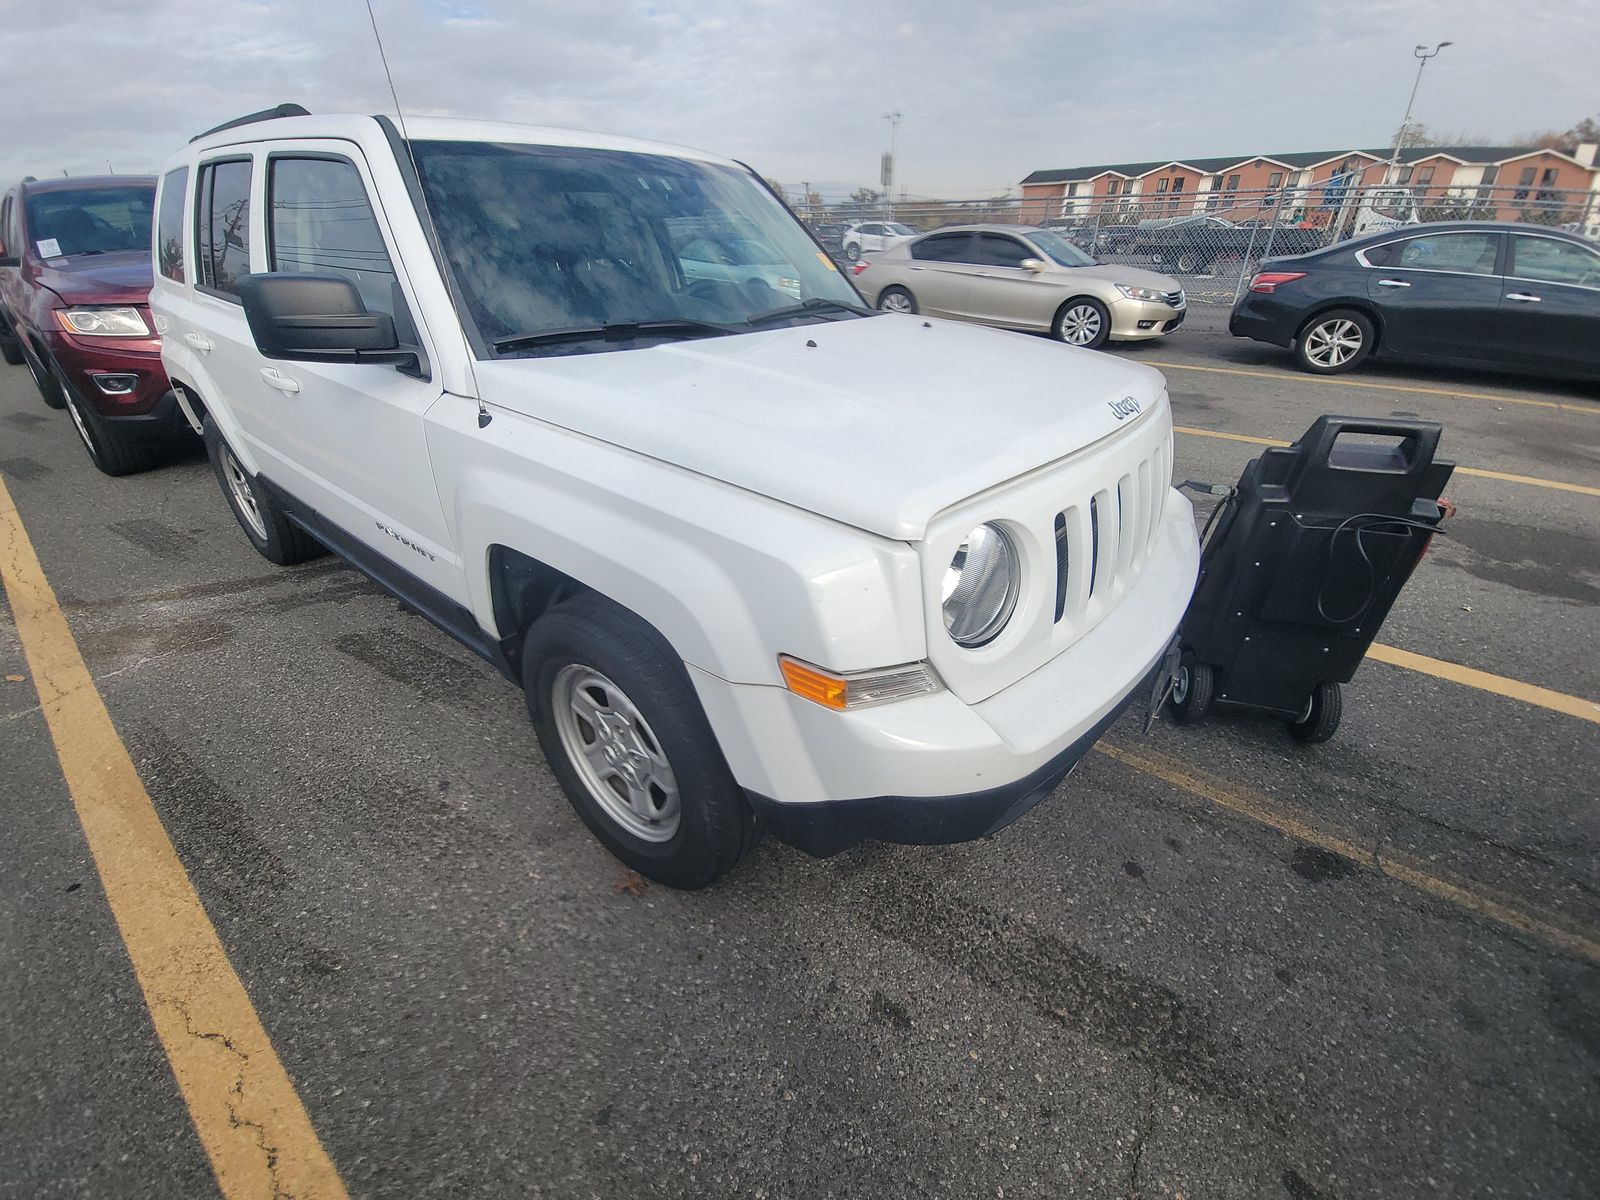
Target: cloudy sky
(799,89)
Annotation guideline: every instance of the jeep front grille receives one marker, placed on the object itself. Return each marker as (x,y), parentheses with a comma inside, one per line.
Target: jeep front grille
(1109,537)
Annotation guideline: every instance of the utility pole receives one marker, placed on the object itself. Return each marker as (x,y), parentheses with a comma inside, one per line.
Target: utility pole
(805,194)
(886,175)
(1422,55)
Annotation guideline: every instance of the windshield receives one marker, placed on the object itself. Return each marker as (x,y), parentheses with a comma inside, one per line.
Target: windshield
(900,230)
(1059,249)
(91,220)
(543,239)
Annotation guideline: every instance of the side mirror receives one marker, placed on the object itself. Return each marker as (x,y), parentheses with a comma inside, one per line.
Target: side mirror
(1033,264)
(317,318)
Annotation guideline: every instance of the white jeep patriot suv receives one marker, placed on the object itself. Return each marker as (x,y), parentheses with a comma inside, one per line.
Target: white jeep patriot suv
(757,561)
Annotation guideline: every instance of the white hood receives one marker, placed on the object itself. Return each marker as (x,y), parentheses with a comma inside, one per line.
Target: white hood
(880,423)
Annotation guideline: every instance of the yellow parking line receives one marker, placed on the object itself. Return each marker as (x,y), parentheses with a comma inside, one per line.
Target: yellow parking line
(1512,912)
(1499,685)
(244,1107)
(1589,409)
(1503,476)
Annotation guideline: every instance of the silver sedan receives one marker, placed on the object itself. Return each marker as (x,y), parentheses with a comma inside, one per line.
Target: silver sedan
(1020,277)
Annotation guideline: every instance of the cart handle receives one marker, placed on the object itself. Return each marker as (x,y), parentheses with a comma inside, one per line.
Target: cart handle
(1418,441)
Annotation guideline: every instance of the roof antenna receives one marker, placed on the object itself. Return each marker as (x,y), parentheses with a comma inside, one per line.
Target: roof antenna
(484,416)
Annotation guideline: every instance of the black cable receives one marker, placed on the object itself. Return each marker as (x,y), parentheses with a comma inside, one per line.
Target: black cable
(1377,521)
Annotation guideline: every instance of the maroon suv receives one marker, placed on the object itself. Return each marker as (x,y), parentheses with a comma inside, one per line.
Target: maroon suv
(74,305)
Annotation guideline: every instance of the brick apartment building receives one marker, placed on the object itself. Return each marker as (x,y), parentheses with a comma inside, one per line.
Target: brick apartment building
(1503,177)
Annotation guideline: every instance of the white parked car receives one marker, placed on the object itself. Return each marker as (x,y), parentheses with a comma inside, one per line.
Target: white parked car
(757,562)
(870,237)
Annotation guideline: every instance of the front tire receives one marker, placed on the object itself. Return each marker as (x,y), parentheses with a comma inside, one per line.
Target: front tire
(897,300)
(11,350)
(1334,342)
(852,252)
(275,537)
(114,450)
(1083,322)
(44,379)
(626,738)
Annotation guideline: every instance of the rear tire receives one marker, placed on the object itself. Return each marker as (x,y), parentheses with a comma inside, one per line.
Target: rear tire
(275,537)
(1321,719)
(11,351)
(1082,321)
(852,252)
(625,736)
(897,299)
(1193,693)
(1334,342)
(115,451)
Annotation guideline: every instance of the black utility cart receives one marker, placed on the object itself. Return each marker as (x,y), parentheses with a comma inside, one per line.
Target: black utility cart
(1299,566)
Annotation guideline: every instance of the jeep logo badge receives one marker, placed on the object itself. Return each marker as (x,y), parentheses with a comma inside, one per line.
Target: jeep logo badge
(1124,408)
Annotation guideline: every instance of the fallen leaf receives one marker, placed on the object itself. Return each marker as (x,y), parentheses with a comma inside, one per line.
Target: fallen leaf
(633,883)
(15,678)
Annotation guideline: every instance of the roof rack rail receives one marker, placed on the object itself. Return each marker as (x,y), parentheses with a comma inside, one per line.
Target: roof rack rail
(266,114)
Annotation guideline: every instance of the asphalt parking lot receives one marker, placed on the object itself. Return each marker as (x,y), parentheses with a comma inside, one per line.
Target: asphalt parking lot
(1215,964)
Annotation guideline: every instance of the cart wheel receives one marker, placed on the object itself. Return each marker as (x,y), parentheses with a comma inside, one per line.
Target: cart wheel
(1192,694)
(1321,719)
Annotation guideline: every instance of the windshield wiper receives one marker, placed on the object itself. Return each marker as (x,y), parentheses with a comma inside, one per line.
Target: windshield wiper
(806,308)
(614,331)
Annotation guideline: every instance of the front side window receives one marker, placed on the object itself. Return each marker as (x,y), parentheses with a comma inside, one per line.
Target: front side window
(222,225)
(944,247)
(1468,253)
(63,222)
(1551,261)
(323,224)
(997,250)
(1058,249)
(550,245)
(169,225)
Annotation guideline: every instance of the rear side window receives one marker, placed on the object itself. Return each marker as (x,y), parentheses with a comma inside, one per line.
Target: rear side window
(222,226)
(169,225)
(1466,253)
(322,224)
(944,248)
(996,250)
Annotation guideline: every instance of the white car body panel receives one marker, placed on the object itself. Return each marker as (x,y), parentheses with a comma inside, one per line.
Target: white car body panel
(792,491)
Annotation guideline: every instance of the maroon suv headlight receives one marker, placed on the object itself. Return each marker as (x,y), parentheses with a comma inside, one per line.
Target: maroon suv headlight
(103,322)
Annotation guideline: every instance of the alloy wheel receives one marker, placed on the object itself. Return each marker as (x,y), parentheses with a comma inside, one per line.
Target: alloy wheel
(897,302)
(1333,343)
(616,754)
(243,498)
(82,427)
(1080,325)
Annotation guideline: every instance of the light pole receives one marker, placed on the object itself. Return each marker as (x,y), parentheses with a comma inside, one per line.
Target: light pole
(886,175)
(1422,55)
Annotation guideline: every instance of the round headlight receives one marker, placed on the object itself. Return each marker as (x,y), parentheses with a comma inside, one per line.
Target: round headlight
(980,586)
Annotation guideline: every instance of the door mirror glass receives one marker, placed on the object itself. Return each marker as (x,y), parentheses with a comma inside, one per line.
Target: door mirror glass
(1033,264)
(316,318)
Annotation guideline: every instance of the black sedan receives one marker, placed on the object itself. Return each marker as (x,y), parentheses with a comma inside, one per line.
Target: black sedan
(1468,293)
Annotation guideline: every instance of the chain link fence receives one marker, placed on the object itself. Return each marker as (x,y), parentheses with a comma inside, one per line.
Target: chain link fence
(1213,242)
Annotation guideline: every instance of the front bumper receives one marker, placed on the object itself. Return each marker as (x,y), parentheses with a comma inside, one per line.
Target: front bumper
(118,378)
(1138,320)
(936,769)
